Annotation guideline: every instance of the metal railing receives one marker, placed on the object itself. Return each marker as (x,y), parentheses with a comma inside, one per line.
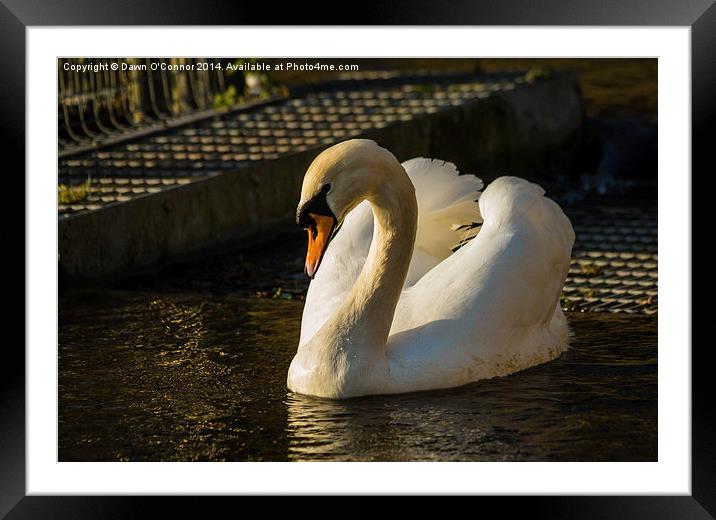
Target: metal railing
(102,100)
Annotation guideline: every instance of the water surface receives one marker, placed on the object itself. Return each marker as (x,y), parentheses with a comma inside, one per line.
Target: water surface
(168,376)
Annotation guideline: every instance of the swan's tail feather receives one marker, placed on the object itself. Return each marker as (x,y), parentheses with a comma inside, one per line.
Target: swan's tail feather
(508,198)
(447,203)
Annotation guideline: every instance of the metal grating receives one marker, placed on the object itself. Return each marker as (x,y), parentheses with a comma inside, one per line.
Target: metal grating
(614,261)
(227,143)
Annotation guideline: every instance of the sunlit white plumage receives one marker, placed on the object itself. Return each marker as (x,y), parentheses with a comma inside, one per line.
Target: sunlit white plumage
(446,201)
(384,317)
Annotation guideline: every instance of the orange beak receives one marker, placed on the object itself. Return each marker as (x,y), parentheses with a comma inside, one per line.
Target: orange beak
(319,235)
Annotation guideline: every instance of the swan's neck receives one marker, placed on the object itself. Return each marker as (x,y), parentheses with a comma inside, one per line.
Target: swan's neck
(367,313)
(347,356)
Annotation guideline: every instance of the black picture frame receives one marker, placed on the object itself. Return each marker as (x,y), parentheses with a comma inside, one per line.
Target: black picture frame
(17,15)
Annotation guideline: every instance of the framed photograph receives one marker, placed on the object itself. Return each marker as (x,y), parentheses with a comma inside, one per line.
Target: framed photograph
(390,258)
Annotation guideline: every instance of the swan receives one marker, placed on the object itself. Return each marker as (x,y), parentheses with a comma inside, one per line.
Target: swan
(391,308)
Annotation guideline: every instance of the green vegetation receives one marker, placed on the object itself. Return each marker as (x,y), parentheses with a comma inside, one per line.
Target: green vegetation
(588,293)
(567,304)
(536,73)
(590,269)
(257,85)
(67,194)
(424,88)
(226,99)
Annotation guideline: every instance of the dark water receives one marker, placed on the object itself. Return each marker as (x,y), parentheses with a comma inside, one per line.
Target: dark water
(194,377)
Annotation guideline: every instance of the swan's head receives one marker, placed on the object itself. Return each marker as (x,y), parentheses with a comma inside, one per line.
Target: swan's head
(340,178)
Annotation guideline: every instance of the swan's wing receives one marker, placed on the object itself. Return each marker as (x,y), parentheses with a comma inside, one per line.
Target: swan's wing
(495,296)
(446,202)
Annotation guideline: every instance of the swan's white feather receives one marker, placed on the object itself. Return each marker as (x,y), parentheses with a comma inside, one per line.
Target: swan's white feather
(446,201)
(491,308)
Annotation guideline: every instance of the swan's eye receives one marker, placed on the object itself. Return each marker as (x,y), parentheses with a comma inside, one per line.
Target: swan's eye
(326,188)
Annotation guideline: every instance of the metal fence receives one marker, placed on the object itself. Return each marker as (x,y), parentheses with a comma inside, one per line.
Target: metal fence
(101,99)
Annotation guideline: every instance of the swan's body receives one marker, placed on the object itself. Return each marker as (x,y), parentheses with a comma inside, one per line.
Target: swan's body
(388,312)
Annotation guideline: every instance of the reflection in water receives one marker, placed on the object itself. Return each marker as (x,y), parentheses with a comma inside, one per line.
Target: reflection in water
(398,428)
(196,377)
